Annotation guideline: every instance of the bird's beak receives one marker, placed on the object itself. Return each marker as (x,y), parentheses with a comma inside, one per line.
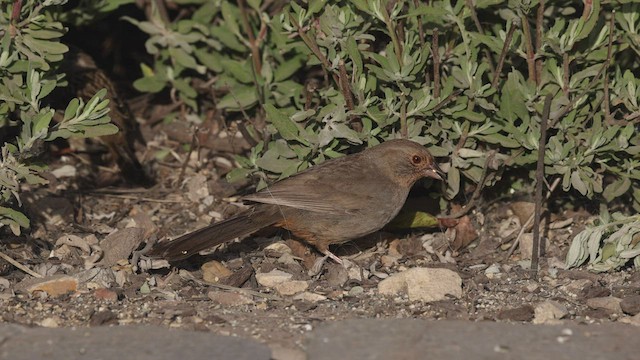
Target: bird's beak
(435,172)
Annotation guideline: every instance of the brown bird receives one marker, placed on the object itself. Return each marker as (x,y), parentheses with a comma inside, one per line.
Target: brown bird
(85,79)
(332,203)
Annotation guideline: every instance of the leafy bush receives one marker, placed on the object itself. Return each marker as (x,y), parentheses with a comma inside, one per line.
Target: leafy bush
(307,81)
(610,244)
(30,50)
(465,78)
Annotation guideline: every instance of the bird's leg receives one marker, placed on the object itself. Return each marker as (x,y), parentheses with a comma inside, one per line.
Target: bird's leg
(328,253)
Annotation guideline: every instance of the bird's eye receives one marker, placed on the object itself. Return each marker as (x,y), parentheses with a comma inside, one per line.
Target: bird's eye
(416,159)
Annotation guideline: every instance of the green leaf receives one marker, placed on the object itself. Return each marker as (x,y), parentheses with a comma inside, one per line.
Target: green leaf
(15,215)
(239,97)
(241,71)
(151,84)
(72,109)
(288,68)
(237,174)
(285,126)
(617,188)
(182,58)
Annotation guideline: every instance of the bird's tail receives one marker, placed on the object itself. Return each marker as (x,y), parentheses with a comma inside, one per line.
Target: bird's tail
(246,223)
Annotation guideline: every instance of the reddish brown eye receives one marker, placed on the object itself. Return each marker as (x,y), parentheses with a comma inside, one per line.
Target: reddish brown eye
(416,159)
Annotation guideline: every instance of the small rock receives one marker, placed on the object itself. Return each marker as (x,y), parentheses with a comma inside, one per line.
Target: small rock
(549,312)
(310,297)
(97,277)
(105,294)
(336,275)
(287,259)
(631,305)
(54,285)
(388,260)
(526,245)
(197,188)
(273,277)
(214,271)
(631,320)
(120,244)
(355,291)
(492,271)
(106,317)
(576,287)
(64,171)
(522,313)
(423,284)
(608,303)
(50,322)
(595,291)
(291,287)
(356,272)
(277,249)
(229,298)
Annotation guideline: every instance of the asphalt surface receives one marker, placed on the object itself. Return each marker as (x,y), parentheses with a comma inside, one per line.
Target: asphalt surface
(353,339)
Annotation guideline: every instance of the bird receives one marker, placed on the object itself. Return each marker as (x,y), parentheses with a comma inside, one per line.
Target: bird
(331,203)
(85,78)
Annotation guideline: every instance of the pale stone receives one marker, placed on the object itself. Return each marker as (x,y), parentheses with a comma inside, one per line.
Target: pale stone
(273,277)
(291,287)
(607,302)
(423,284)
(549,312)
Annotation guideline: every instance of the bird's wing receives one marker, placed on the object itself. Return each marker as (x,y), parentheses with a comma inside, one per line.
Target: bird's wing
(335,186)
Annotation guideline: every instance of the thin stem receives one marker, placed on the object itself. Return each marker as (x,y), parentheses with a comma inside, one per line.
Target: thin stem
(253,44)
(529,45)
(607,109)
(539,28)
(503,54)
(436,63)
(391,28)
(404,132)
(542,145)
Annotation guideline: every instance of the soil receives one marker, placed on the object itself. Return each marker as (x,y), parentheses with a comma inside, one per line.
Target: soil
(495,286)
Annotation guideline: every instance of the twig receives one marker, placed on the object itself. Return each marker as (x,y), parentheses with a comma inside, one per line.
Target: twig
(476,193)
(253,44)
(567,108)
(315,49)
(529,46)
(476,21)
(137,198)
(404,131)
(436,63)
(194,143)
(530,220)
(19,266)
(503,54)
(447,100)
(565,74)
(539,26)
(241,290)
(344,85)
(607,109)
(397,46)
(416,3)
(542,145)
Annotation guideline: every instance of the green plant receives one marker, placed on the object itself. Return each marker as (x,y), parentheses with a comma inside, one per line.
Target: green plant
(307,81)
(609,244)
(30,51)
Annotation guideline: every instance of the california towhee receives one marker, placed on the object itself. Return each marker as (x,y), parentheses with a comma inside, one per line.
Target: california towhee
(331,203)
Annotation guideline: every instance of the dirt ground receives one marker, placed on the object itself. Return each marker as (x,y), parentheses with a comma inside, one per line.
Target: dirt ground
(85,239)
